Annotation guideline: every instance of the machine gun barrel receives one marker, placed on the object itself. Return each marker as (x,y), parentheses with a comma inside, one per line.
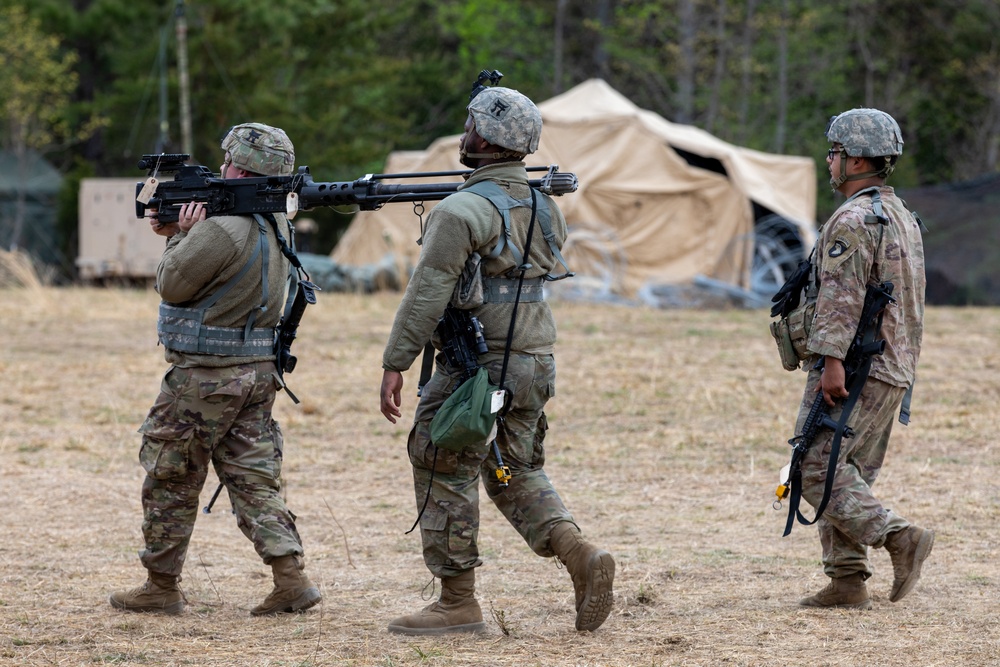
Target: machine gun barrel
(289,194)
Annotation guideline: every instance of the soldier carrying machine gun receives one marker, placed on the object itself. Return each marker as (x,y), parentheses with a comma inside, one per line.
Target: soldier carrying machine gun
(290,194)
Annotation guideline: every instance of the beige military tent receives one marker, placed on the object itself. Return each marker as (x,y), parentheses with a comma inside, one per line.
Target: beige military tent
(644,213)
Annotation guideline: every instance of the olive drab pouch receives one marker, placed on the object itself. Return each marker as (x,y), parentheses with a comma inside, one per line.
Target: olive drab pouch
(466,418)
(779,331)
(791,330)
(468,292)
(791,334)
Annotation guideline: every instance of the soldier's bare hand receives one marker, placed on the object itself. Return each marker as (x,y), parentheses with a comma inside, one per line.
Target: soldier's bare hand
(831,382)
(391,395)
(167,229)
(190,213)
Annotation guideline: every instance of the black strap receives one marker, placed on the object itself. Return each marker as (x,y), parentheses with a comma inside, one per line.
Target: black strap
(517,298)
(430,485)
(426,368)
(904,406)
(841,430)
(429,354)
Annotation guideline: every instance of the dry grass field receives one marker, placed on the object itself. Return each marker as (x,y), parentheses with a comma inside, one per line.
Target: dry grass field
(666,436)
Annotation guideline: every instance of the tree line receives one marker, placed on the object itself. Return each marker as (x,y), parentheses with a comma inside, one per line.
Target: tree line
(94,84)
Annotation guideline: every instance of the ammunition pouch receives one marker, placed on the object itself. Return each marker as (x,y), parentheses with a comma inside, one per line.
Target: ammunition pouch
(791,334)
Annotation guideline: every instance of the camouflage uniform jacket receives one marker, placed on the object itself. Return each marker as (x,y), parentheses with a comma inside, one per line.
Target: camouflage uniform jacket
(197,263)
(462,224)
(850,255)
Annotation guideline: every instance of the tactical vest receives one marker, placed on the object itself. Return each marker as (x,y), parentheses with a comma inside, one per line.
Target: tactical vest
(503,289)
(183,329)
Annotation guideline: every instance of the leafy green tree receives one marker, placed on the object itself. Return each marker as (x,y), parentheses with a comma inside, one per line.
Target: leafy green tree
(38,82)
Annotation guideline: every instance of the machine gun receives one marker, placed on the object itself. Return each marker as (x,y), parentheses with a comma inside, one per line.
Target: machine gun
(857,363)
(290,194)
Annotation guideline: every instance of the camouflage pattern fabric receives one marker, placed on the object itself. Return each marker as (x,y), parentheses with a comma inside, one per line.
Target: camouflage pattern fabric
(260,149)
(506,118)
(219,417)
(850,254)
(866,133)
(854,519)
(450,522)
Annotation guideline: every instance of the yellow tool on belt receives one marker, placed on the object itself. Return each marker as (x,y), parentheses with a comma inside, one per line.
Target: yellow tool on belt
(503,475)
(783,486)
(502,471)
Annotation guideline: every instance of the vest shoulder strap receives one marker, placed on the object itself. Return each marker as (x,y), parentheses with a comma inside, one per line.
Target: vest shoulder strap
(504,202)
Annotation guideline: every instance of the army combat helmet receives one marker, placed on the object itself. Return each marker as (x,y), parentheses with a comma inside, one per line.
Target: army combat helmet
(508,119)
(867,133)
(260,149)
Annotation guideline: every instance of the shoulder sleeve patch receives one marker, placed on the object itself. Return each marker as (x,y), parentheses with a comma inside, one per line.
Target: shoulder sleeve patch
(842,245)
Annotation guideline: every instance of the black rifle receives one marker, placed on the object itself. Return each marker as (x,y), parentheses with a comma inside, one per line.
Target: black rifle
(288,194)
(865,345)
(305,294)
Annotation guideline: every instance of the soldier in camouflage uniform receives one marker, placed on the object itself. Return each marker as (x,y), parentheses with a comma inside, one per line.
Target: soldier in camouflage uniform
(223,281)
(871,238)
(502,127)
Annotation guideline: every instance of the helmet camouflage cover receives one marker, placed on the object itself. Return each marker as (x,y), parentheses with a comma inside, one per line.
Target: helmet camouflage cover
(506,118)
(866,133)
(260,149)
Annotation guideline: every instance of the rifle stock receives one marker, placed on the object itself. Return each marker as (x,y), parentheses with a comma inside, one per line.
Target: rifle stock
(290,194)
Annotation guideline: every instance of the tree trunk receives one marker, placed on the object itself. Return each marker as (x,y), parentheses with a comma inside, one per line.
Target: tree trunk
(782,115)
(601,65)
(686,67)
(721,44)
(747,56)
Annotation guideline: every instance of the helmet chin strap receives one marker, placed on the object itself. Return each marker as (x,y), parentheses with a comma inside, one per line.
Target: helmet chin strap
(844,178)
(489,156)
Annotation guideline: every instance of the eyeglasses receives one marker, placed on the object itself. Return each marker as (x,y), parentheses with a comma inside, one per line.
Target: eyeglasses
(832,152)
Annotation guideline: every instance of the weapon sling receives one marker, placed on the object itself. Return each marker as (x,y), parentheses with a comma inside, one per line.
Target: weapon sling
(502,470)
(870,326)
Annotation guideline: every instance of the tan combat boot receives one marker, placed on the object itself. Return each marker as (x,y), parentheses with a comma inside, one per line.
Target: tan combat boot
(456,610)
(847,592)
(592,571)
(293,591)
(160,594)
(908,549)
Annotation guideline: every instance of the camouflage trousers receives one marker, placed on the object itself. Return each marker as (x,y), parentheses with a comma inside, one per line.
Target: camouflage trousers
(450,522)
(854,518)
(222,417)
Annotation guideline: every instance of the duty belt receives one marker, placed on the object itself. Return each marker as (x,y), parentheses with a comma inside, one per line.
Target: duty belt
(498,289)
(181,330)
